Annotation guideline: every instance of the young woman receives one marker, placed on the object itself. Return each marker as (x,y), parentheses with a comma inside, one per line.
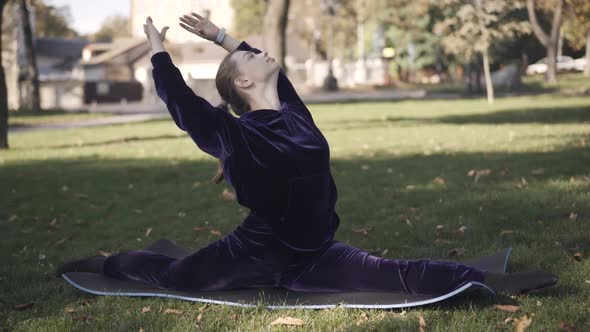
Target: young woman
(278,162)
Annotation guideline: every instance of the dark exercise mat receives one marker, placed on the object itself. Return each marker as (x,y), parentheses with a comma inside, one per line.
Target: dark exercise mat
(274,297)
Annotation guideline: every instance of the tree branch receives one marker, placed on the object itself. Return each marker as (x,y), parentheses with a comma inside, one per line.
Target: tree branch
(541,35)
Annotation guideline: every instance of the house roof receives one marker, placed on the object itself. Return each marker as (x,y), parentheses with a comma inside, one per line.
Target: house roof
(117,48)
(55,47)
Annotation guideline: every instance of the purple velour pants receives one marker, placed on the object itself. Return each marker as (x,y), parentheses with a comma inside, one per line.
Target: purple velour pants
(252,256)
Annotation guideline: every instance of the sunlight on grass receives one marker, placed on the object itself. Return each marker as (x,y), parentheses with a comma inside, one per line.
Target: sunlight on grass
(412,172)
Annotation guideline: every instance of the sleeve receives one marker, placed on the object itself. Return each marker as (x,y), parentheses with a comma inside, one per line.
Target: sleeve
(287,93)
(208,126)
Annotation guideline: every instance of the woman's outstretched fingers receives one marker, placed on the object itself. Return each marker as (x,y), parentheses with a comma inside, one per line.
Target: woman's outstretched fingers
(191,20)
(198,16)
(189,28)
(188,21)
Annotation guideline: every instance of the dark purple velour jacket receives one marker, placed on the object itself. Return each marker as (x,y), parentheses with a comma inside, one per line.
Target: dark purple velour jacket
(278,162)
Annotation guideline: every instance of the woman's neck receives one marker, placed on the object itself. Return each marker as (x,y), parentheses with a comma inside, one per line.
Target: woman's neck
(266,96)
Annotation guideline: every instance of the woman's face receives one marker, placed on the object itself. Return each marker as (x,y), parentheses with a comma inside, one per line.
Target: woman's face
(255,68)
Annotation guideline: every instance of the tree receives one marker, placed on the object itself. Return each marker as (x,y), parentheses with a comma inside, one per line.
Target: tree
(53,21)
(112,27)
(577,28)
(3,91)
(31,74)
(248,14)
(472,26)
(275,27)
(551,39)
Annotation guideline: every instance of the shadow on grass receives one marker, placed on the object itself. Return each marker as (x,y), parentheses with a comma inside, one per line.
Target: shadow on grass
(107,205)
(536,114)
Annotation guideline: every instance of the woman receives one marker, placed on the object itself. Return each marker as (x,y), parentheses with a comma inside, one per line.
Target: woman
(278,162)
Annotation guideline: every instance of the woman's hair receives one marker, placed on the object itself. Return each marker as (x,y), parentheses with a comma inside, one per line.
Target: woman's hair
(230,96)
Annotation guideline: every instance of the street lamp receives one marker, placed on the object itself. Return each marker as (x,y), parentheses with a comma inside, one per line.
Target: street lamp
(330,7)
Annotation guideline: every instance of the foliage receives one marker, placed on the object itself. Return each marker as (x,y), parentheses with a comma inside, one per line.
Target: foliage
(112,27)
(467,30)
(248,17)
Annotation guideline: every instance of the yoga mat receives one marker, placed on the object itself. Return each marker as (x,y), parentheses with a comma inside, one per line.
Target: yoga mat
(275,297)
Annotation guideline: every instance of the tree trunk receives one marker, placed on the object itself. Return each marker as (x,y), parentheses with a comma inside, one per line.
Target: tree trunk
(32,70)
(488,77)
(3,91)
(550,40)
(587,69)
(275,29)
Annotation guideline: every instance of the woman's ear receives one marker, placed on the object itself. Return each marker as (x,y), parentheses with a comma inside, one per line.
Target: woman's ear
(243,82)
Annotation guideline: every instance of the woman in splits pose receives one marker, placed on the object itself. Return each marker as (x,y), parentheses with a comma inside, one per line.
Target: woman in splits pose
(278,162)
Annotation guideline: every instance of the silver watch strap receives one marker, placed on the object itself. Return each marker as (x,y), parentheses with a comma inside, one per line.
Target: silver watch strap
(220,36)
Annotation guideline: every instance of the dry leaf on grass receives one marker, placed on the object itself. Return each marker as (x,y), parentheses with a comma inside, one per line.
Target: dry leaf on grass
(362,318)
(457,252)
(70,310)
(506,232)
(506,307)
(421,323)
(24,306)
(522,323)
(439,180)
(228,195)
(173,311)
(200,228)
(215,232)
(104,253)
(145,309)
(364,231)
(287,321)
(148,231)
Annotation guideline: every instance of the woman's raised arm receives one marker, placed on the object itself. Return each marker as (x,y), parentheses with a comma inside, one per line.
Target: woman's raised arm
(209,127)
(204,28)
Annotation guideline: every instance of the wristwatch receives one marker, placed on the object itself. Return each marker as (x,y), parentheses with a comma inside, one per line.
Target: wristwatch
(220,36)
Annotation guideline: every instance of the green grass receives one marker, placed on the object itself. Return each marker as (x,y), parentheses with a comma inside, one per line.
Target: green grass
(28,118)
(105,186)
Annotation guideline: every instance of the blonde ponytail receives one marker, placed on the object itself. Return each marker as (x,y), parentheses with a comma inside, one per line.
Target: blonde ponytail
(224,106)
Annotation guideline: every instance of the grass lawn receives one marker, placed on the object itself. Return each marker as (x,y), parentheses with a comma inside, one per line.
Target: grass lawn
(401,169)
(28,118)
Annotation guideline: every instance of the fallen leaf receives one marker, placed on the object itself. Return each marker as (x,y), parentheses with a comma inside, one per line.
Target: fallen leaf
(573,216)
(364,231)
(538,171)
(52,225)
(457,252)
(104,253)
(70,310)
(148,231)
(421,323)
(506,232)
(577,256)
(228,195)
(439,180)
(363,318)
(287,321)
(173,311)
(522,323)
(215,232)
(24,306)
(145,309)
(507,308)
(200,228)
(462,230)
(199,317)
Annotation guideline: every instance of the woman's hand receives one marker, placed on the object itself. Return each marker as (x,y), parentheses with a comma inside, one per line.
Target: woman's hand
(200,26)
(152,33)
